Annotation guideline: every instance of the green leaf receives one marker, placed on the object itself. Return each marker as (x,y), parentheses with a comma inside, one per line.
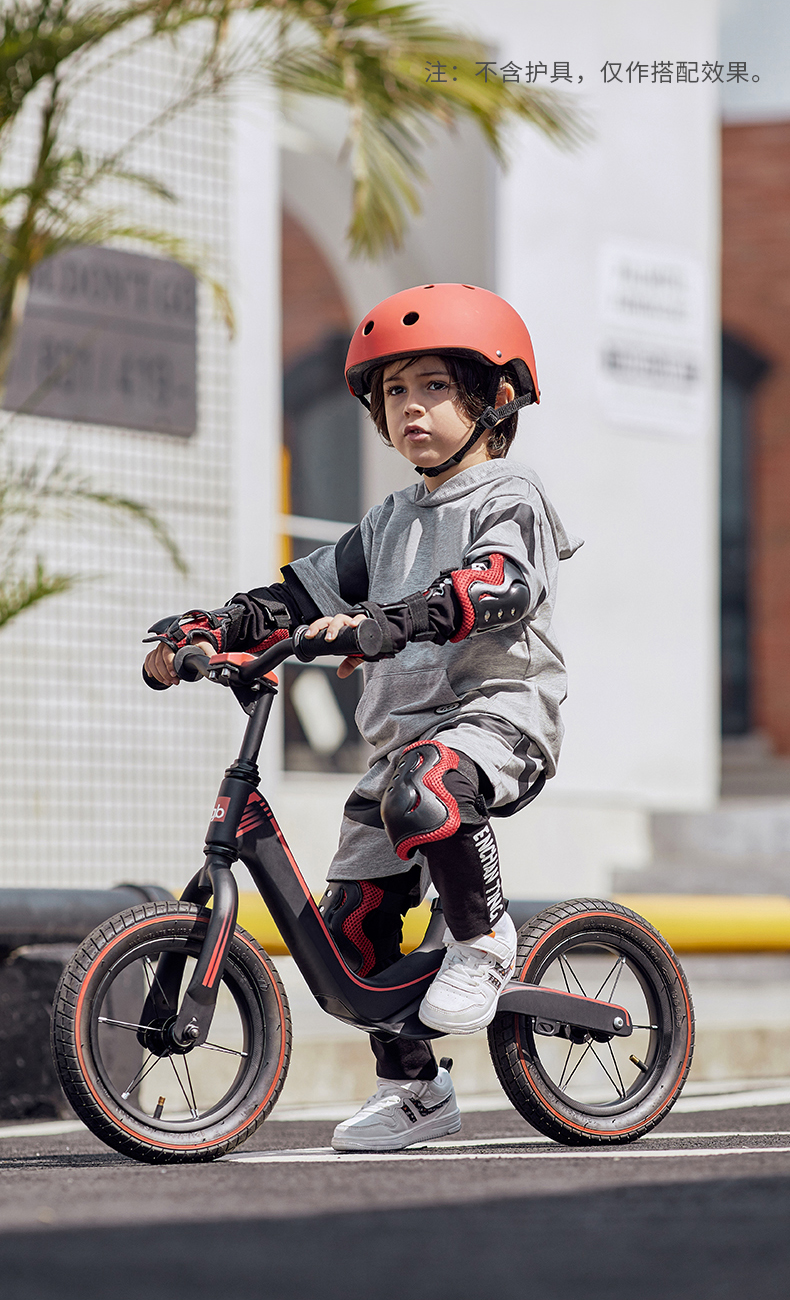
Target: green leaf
(36,489)
(374,58)
(19,592)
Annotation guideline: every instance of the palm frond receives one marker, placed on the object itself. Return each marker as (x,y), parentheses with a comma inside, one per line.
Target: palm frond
(19,592)
(140,513)
(42,487)
(39,37)
(101,227)
(374,58)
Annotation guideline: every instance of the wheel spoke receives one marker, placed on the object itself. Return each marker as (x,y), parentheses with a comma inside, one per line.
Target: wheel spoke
(617,1067)
(565,1064)
(190,1104)
(121,1024)
(618,966)
(150,970)
(578,1063)
(214,1047)
(606,1072)
(644,1026)
(617,979)
(210,1047)
(574,976)
(138,1078)
(191,1088)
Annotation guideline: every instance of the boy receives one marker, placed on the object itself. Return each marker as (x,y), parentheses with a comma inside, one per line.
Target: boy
(459,733)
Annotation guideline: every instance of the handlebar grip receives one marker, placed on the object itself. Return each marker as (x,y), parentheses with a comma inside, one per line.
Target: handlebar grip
(365,640)
(188,662)
(153,683)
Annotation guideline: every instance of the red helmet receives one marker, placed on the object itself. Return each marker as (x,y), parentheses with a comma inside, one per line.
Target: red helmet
(455,318)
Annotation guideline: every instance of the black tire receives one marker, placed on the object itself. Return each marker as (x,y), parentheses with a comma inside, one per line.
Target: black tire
(593,1092)
(116,1074)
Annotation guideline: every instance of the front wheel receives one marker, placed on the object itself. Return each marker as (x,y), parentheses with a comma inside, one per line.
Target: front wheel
(118,1065)
(580,1088)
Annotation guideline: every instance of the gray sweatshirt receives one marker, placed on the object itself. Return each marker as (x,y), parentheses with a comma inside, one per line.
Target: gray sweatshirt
(515,673)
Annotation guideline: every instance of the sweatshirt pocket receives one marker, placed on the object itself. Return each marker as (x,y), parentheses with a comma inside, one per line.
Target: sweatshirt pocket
(391,702)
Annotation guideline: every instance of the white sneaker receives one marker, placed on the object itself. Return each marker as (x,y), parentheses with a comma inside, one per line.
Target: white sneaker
(463,996)
(401,1113)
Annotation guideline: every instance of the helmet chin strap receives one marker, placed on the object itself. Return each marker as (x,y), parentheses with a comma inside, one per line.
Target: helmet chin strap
(491,417)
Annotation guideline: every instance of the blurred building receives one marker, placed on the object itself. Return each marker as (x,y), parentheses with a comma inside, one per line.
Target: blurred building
(756,321)
(100,781)
(611,253)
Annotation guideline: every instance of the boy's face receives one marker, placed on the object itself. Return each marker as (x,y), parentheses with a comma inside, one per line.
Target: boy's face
(423,422)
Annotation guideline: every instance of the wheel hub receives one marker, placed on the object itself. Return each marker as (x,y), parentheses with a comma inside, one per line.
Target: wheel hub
(158,1038)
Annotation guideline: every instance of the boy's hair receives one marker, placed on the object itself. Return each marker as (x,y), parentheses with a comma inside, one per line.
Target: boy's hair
(471,380)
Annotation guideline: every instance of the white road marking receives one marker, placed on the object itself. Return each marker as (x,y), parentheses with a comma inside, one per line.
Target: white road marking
(732,1100)
(449,1144)
(328,1156)
(45,1128)
(689,1103)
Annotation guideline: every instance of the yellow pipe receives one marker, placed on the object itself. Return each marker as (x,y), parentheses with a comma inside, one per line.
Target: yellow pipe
(254,916)
(717,922)
(689,922)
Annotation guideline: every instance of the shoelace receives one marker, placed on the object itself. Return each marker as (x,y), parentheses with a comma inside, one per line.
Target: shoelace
(462,965)
(392,1097)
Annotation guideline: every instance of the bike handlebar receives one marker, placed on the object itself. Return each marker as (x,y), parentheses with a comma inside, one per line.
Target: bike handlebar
(364,640)
(153,683)
(191,663)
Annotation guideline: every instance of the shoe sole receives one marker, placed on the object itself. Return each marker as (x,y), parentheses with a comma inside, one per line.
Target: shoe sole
(470,1027)
(445,1028)
(440,1128)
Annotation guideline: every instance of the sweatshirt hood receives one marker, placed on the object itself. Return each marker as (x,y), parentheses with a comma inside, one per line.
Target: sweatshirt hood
(492,471)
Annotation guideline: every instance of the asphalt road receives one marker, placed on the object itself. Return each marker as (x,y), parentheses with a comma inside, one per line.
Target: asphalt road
(699,1209)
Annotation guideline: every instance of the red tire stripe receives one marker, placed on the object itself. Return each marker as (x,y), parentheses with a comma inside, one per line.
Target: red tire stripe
(617,916)
(201,1146)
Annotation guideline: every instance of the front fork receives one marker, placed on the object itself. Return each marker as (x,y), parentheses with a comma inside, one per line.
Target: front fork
(214,881)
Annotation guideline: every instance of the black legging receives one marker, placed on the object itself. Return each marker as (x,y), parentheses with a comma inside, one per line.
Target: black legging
(366,916)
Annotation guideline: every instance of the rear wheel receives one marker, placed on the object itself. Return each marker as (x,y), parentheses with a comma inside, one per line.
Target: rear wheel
(119,1066)
(580,1089)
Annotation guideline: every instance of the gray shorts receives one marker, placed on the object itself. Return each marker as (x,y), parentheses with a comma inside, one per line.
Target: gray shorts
(512,764)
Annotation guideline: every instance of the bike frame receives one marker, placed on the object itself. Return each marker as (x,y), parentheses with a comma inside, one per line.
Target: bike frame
(243,827)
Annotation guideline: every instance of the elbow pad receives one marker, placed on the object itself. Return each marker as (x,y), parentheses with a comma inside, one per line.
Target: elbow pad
(492,593)
(462,602)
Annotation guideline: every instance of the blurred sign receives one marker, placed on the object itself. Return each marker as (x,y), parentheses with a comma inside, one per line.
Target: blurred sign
(651,349)
(108,338)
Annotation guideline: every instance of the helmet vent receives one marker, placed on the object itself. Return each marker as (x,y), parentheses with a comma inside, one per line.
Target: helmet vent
(411,318)
(368,327)
(428,286)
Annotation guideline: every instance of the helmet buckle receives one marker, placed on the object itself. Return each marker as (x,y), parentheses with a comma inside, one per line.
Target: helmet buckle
(490,418)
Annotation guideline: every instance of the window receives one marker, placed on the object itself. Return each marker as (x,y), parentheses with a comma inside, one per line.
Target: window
(742,370)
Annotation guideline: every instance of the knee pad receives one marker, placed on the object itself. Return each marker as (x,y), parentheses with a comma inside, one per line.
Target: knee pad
(433,790)
(365,918)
